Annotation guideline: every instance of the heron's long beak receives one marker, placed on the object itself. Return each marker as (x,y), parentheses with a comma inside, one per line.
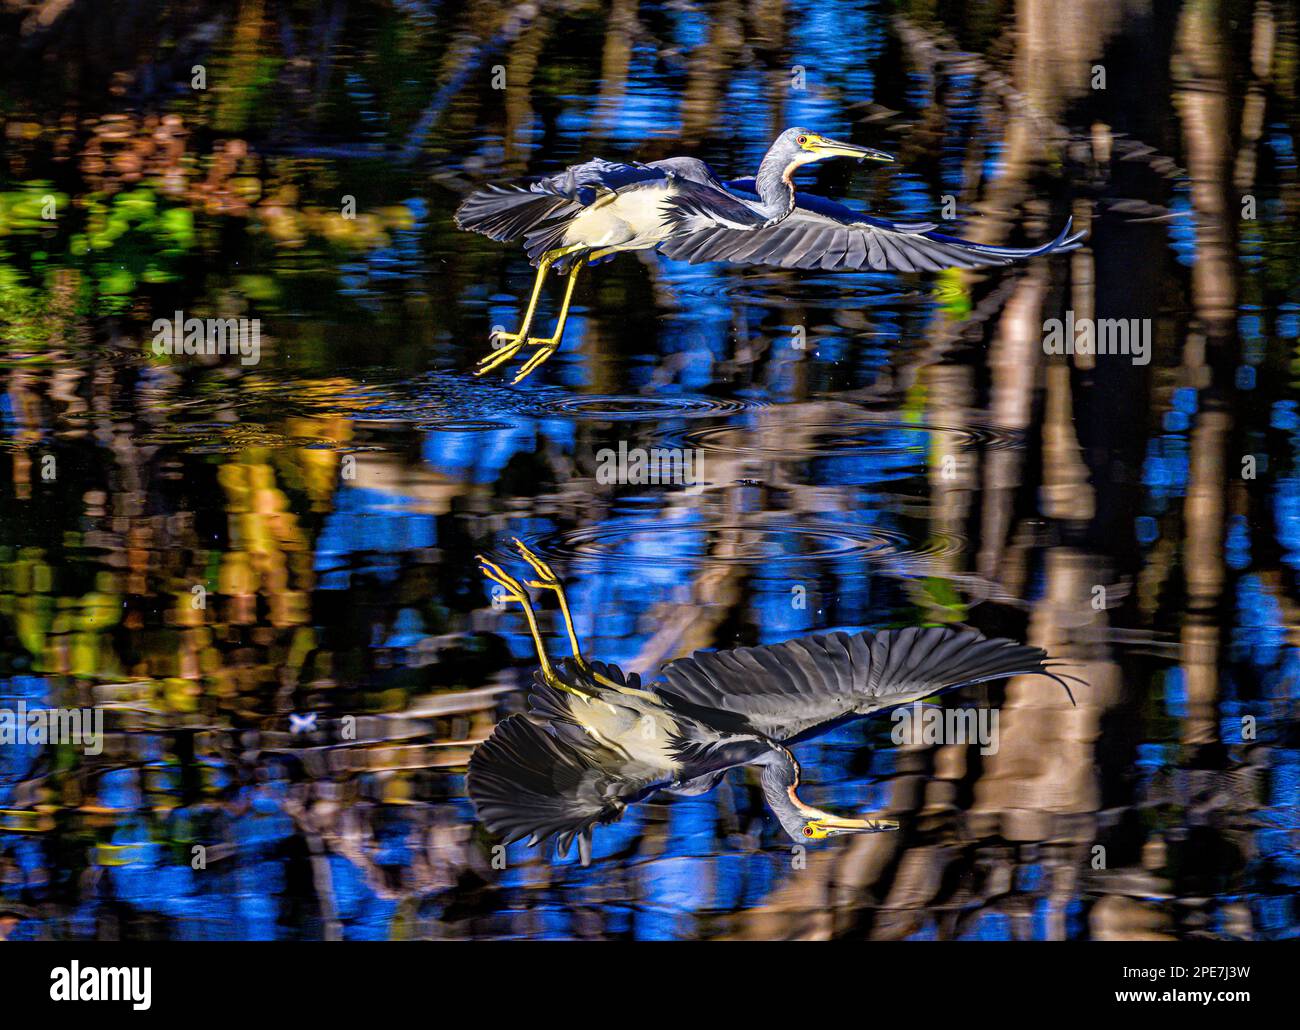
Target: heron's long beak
(823,147)
(833,826)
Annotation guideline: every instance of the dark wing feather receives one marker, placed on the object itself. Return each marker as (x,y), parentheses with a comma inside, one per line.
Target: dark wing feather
(508,212)
(585,183)
(526,783)
(821,233)
(693,208)
(691,168)
(785,690)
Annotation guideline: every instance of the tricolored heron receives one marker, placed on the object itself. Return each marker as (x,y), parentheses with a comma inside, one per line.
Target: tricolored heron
(596,740)
(597,209)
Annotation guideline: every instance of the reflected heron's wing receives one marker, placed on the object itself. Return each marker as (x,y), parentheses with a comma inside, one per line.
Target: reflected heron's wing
(524,782)
(821,233)
(785,690)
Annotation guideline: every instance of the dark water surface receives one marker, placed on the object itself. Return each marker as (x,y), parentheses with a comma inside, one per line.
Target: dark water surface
(264,575)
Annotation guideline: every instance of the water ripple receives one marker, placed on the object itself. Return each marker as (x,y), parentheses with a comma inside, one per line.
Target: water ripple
(634,408)
(842,437)
(643,542)
(464,425)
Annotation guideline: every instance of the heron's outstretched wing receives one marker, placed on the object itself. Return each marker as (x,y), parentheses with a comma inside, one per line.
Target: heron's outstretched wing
(539,209)
(785,690)
(691,168)
(524,782)
(821,233)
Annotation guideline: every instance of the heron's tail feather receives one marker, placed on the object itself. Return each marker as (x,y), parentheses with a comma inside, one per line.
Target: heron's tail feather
(509,212)
(544,237)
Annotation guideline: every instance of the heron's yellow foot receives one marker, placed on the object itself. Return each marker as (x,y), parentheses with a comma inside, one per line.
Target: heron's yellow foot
(494,572)
(548,580)
(511,344)
(506,346)
(540,567)
(545,349)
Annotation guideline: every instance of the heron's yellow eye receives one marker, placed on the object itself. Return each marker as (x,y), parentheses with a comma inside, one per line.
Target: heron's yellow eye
(802,141)
(808,831)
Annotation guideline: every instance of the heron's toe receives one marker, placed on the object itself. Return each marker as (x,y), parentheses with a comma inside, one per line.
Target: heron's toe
(545,348)
(506,346)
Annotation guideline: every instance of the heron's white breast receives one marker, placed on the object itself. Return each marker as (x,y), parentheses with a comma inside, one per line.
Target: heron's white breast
(642,735)
(633,219)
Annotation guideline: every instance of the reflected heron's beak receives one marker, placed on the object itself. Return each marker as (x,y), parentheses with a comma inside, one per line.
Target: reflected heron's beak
(823,147)
(833,826)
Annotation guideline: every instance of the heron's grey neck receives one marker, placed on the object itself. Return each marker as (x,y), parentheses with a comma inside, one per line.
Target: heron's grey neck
(779,778)
(772,184)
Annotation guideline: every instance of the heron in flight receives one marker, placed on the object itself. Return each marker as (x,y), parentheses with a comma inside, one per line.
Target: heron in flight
(596,740)
(594,210)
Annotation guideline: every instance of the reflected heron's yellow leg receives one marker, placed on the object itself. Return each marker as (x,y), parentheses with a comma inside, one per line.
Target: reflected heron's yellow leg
(513,342)
(516,592)
(546,346)
(547,580)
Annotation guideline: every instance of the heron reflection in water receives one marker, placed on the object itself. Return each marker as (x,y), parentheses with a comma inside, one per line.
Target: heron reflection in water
(597,209)
(595,740)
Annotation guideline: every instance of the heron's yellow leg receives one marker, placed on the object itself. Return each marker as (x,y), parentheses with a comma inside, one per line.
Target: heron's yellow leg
(516,592)
(547,580)
(514,341)
(546,346)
